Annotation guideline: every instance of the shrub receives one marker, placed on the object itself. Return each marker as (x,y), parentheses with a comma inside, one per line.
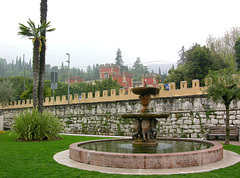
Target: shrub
(32,125)
(2,132)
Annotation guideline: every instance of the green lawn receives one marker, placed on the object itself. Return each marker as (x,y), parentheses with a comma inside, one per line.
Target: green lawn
(35,159)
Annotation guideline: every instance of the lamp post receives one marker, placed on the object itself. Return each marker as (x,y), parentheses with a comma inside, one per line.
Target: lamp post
(68,61)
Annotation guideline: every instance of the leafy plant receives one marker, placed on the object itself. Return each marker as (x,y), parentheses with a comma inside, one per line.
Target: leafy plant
(2,132)
(27,94)
(32,125)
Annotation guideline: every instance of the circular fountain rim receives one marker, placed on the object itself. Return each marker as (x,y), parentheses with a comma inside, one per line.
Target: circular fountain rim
(147,161)
(162,138)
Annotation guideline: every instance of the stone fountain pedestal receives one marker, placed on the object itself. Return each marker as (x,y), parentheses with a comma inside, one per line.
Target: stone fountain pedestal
(144,129)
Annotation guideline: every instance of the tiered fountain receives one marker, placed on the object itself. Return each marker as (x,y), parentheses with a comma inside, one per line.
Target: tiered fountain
(144,129)
(146,151)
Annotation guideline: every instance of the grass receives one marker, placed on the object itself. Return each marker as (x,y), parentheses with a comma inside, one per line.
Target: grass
(35,159)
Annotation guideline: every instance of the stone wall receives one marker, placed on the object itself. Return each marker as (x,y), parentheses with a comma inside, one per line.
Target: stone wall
(190,116)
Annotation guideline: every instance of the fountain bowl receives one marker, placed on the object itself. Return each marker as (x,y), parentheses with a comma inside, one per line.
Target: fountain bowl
(147,161)
(145,91)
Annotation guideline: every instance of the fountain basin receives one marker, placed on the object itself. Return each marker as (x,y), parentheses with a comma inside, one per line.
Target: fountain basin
(145,91)
(147,161)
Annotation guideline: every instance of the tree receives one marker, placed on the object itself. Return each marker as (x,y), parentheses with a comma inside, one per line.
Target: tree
(27,94)
(34,33)
(237,52)
(96,73)
(6,92)
(181,54)
(223,88)
(43,20)
(224,46)
(158,79)
(138,70)
(176,75)
(3,65)
(118,59)
(198,63)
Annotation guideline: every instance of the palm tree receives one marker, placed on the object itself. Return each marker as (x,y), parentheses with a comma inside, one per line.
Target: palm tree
(34,33)
(27,94)
(43,18)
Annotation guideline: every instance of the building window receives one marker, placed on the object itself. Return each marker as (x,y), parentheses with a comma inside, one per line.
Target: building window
(105,75)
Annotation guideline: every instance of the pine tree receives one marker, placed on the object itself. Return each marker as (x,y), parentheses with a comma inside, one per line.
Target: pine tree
(118,59)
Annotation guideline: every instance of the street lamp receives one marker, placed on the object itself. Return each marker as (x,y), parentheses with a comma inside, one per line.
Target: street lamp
(68,61)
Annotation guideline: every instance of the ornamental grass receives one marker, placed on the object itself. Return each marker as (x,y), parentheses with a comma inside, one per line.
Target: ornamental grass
(32,125)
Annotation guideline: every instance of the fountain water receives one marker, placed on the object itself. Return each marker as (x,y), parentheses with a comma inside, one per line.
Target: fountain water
(146,151)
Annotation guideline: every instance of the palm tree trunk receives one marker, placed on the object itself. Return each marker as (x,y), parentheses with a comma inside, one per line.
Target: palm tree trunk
(35,71)
(227,126)
(43,16)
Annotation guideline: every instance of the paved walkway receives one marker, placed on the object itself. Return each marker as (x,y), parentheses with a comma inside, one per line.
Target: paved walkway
(230,158)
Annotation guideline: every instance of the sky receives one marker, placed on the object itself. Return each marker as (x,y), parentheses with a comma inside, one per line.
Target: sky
(91,31)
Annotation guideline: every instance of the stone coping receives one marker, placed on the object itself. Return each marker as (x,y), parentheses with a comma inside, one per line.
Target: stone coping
(229,158)
(147,161)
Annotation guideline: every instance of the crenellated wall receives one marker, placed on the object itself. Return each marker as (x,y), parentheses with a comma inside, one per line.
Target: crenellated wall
(191,114)
(123,96)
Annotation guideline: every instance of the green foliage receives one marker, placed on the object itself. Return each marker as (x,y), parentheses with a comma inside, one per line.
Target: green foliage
(16,69)
(223,47)
(6,92)
(138,70)
(237,53)
(32,31)
(176,76)
(223,86)
(184,135)
(118,59)
(106,84)
(32,125)
(18,84)
(27,94)
(198,63)
(219,53)
(2,132)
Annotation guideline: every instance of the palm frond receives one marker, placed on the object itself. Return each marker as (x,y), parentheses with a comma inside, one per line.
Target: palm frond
(31,24)
(33,32)
(52,29)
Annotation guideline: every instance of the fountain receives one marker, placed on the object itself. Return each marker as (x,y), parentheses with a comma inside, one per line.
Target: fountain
(146,151)
(144,129)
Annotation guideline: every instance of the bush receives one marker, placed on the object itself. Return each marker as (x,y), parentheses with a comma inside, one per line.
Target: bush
(2,132)
(32,125)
